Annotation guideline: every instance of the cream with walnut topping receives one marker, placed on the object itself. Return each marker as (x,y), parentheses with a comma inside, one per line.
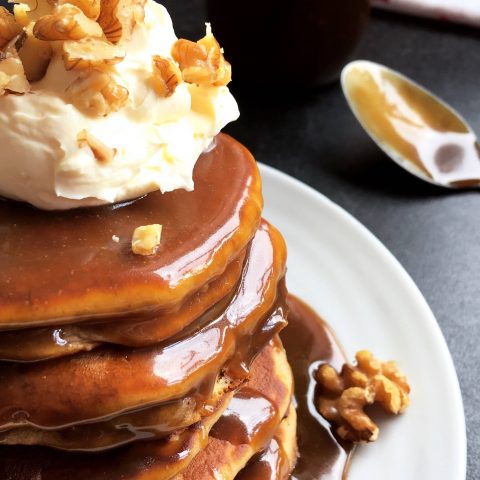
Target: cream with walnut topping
(92,30)
(107,67)
(344,396)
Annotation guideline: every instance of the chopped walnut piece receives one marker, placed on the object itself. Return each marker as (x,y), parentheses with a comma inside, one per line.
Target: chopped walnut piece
(166,76)
(100,151)
(67,22)
(28,11)
(96,93)
(146,239)
(90,53)
(343,396)
(203,62)
(9,28)
(119,17)
(20,13)
(35,55)
(12,74)
(91,8)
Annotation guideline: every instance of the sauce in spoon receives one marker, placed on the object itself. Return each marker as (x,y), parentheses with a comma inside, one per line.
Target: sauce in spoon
(415,128)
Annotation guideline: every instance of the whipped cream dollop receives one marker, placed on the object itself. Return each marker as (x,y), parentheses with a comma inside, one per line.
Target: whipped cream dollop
(156,141)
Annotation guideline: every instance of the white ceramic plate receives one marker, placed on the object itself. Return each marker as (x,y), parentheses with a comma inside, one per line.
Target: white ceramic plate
(340,269)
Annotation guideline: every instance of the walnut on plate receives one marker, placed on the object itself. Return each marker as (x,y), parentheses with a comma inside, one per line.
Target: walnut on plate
(344,396)
(91,53)
(67,22)
(202,63)
(166,76)
(96,93)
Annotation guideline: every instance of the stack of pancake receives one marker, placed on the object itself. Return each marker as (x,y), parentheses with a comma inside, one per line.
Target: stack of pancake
(119,366)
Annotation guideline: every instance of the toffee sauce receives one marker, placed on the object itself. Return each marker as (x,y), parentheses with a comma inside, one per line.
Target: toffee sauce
(247,415)
(271,464)
(160,459)
(309,342)
(135,330)
(126,379)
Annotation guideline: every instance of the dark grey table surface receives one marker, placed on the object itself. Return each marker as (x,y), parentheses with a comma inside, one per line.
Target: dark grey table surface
(434,233)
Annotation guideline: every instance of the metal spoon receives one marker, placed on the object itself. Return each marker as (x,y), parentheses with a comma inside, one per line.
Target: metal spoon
(416,129)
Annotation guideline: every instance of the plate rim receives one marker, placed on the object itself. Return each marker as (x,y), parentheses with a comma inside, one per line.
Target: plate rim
(395,266)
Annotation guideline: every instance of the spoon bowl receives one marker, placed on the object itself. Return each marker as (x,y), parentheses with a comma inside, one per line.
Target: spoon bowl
(416,129)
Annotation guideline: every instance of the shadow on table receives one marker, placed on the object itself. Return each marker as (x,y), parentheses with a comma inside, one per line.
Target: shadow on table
(378,173)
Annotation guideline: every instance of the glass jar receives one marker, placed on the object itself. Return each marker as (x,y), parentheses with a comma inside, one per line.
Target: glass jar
(287,42)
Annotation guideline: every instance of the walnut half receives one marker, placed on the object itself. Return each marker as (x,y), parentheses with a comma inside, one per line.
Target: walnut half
(67,22)
(91,53)
(343,396)
(9,28)
(202,63)
(97,93)
(166,76)
(119,17)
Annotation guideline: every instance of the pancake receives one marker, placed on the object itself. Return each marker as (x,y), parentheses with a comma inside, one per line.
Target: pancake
(278,460)
(152,460)
(121,366)
(143,460)
(43,343)
(63,267)
(149,423)
(250,421)
(153,422)
(110,381)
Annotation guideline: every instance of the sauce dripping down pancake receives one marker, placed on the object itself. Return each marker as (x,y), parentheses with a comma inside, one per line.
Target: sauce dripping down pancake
(309,342)
(278,459)
(135,330)
(249,422)
(147,460)
(97,385)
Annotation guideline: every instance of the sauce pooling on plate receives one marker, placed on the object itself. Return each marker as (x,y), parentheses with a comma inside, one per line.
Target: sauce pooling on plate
(309,342)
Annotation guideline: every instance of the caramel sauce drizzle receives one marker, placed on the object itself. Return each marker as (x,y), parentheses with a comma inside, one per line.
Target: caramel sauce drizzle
(308,342)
